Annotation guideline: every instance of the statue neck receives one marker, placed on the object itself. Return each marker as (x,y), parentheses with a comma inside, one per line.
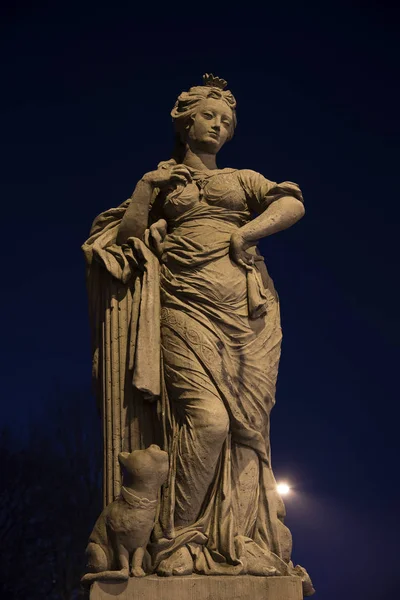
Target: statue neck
(202,161)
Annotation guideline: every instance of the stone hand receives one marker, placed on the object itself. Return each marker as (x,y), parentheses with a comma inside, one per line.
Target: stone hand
(237,251)
(154,236)
(168,176)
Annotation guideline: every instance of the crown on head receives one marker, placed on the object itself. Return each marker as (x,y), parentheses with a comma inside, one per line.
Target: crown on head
(210,81)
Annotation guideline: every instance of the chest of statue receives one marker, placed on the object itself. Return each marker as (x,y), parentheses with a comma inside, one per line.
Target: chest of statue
(221,189)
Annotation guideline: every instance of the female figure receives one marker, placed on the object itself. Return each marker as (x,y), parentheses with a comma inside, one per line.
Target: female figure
(185,313)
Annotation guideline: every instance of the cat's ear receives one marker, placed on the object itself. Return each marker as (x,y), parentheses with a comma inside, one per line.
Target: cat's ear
(123,457)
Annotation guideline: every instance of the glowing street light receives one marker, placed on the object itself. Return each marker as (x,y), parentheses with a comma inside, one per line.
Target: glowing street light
(283,489)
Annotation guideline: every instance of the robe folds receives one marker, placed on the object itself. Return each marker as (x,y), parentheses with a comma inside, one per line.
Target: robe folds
(186,348)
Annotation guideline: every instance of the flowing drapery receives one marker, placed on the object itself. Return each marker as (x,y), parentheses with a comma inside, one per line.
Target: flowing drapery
(201,337)
(124,307)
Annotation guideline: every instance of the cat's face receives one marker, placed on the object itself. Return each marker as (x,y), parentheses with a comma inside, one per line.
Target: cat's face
(150,464)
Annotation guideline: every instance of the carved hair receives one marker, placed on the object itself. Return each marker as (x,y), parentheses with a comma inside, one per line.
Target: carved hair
(188,103)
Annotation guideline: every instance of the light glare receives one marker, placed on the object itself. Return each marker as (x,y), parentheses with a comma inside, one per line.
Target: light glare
(283,488)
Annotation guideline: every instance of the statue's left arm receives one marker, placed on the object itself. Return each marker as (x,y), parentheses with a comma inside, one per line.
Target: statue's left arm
(279,206)
(280,215)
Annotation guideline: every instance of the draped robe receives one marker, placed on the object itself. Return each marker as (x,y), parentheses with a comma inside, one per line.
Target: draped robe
(201,336)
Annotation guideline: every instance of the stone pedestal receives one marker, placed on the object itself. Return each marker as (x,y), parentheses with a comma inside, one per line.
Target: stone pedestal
(198,587)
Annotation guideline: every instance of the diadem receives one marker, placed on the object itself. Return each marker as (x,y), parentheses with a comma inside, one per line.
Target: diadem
(210,81)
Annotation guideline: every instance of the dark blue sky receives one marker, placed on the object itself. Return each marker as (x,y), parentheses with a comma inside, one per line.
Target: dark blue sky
(86,95)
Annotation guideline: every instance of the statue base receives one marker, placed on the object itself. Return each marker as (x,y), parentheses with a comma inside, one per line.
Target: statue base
(200,587)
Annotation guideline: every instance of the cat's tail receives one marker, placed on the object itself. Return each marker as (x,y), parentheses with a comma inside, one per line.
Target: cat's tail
(122,575)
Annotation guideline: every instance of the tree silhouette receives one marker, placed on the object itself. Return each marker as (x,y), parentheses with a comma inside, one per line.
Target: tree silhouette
(50,497)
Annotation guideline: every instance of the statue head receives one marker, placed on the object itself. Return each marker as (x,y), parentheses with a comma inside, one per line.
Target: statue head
(205,117)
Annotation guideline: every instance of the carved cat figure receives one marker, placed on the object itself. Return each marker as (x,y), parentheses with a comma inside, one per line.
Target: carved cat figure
(119,538)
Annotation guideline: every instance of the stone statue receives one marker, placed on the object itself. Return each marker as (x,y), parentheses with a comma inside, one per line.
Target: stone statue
(186,345)
(120,536)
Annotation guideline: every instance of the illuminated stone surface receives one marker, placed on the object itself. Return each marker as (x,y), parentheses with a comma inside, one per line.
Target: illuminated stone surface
(186,348)
(199,587)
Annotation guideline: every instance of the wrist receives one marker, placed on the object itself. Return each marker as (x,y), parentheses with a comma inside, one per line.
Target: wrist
(147,179)
(242,234)
(238,234)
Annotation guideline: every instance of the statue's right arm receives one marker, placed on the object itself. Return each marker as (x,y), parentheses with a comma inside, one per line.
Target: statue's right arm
(135,220)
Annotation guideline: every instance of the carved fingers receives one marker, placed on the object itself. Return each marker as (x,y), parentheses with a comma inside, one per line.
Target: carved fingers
(238,251)
(154,236)
(168,176)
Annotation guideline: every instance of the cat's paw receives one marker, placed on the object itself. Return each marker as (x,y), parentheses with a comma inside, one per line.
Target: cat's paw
(137,572)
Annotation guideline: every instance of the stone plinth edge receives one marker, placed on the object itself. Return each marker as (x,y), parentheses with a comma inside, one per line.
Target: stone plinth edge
(198,587)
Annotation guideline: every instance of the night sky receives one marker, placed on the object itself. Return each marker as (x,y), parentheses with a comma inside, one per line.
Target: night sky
(85,102)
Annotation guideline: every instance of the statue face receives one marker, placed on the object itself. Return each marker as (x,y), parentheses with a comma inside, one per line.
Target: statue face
(211,126)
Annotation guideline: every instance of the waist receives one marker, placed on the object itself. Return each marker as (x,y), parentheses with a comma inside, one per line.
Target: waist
(221,284)
(195,243)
